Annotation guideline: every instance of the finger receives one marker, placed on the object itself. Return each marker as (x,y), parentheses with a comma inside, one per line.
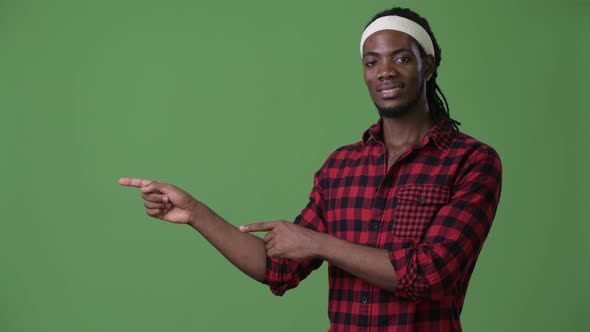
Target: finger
(270,245)
(155,198)
(155,187)
(269,236)
(151,187)
(134,182)
(273,253)
(151,205)
(259,227)
(156,213)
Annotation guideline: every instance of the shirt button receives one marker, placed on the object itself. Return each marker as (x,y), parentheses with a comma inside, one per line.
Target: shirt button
(364,300)
(374,225)
(380,156)
(421,198)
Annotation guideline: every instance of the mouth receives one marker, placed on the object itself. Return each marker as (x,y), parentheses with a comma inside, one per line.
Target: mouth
(389,91)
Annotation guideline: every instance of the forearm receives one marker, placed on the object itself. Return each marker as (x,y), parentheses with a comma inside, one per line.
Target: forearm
(370,264)
(246,251)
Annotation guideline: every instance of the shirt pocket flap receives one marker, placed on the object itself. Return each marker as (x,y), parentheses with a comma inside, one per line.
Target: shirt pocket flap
(424,194)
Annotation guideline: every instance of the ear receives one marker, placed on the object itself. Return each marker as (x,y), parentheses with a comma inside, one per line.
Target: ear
(429,66)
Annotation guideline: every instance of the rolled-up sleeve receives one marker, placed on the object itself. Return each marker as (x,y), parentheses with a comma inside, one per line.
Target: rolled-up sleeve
(283,274)
(429,268)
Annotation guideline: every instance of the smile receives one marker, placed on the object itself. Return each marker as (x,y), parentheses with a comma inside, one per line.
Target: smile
(390,92)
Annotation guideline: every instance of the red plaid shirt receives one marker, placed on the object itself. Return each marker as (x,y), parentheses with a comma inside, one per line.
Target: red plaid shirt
(431,211)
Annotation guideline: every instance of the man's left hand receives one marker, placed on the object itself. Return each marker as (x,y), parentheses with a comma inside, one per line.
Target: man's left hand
(285,239)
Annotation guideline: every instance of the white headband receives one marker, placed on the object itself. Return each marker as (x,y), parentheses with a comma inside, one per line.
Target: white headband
(402,24)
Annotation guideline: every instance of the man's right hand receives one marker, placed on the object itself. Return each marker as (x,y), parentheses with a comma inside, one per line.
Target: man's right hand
(165,201)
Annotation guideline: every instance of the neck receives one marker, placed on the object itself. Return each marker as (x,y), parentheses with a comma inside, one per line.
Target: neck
(407,130)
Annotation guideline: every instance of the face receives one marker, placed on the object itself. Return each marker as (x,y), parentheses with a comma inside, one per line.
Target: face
(395,72)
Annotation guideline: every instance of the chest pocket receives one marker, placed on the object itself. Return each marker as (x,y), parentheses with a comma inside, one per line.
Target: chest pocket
(416,207)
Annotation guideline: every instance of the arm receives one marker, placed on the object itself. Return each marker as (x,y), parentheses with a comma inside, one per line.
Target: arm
(426,269)
(430,268)
(292,241)
(167,202)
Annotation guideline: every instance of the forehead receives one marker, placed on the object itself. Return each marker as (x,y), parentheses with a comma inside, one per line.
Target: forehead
(386,41)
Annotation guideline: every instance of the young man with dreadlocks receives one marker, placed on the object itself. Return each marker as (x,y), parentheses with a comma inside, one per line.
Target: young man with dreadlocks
(400,216)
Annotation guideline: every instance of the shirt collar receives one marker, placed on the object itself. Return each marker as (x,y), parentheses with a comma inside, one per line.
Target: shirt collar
(441,134)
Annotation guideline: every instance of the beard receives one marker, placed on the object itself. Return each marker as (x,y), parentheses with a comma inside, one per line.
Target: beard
(399,111)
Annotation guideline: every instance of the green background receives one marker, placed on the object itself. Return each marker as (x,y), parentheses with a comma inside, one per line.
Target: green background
(240,103)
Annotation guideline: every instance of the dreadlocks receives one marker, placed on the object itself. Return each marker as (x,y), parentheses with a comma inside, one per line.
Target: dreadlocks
(437,102)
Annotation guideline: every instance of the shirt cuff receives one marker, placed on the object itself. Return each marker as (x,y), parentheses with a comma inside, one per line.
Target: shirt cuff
(277,275)
(403,257)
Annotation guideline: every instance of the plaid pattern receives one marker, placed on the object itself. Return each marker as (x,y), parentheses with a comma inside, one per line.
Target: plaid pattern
(431,211)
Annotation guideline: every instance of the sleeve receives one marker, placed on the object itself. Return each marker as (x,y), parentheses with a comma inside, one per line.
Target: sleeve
(283,274)
(430,268)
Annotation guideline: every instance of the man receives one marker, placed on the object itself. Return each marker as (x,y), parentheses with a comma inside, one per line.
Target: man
(399,216)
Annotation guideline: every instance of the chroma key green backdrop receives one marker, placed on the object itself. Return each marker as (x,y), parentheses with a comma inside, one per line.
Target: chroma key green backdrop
(240,102)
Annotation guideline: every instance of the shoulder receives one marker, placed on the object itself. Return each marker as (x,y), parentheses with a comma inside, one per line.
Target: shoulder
(340,159)
(345,152)
(476,156)
(472,148)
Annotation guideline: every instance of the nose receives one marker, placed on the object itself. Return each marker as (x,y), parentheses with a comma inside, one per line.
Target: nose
(387,70)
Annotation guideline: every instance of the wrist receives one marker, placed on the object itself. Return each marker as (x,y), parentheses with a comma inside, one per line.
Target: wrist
(196,211)
(321,242)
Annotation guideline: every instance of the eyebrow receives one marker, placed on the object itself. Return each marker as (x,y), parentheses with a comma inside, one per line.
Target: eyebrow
(397,51)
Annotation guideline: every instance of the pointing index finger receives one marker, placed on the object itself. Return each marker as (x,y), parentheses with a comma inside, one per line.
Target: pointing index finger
(258,227)
(134,182)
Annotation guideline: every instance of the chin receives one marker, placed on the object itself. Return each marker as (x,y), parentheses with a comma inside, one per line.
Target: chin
(399,107)
(392,112)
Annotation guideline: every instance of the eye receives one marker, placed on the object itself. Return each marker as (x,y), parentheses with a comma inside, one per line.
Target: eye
(371,63)
(402,59)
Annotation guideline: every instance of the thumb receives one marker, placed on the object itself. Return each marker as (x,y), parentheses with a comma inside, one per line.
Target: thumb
(156,188)
(167,193)
(149,187)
